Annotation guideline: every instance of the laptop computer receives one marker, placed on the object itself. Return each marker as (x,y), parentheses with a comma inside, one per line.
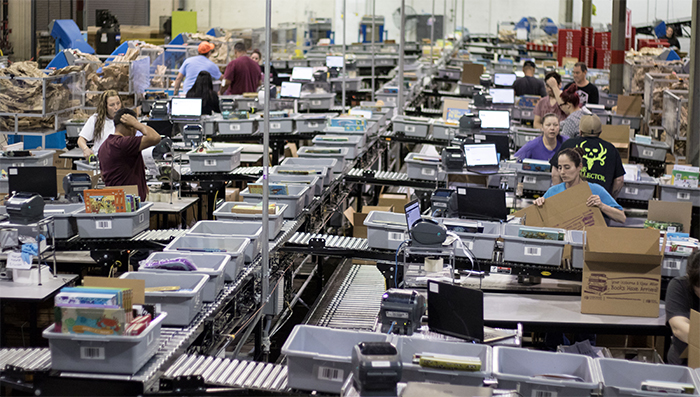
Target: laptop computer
(39,180)
(481,203)
(302,73)
(413,215)
(185,109)
(500,138)
(459,311)
(504,79)
(335,61)
(502,96)
(290,90)
(481,158)
(495,120)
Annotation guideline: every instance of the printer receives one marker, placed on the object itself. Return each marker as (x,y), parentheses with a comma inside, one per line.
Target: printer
(401,311)
(74,184)
(159,110)
(25,208)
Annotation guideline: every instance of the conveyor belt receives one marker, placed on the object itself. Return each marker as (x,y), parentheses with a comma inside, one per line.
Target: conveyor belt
(389,179)
(216,371)
(357,302)
(159,235)
(332,241)
(33,359)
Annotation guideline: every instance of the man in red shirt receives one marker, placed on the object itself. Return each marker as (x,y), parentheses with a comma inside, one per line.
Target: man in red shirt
(242,73)
(120,154)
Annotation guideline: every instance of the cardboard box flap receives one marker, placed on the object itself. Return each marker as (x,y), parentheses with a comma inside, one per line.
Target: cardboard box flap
(138,287)
(356,218)
(566,210)
(693,350)
(629,105)
(668,211)
(613,240)
(616,134)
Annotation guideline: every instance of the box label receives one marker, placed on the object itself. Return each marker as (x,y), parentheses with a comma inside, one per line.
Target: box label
(331,374)
(234,127)
(394,236)
(683,196)
(275,126)
(543,393)
(410,128)
(626,121)
(647,153)
(525,113)
(103,225)
(14,261)
(528,138)
(470,245)
(633,191)
(428,171)
(312,124)
(142,217)
(529,179)
(209,163)
(672,264)
(92,353)
(316,103)
(532,251)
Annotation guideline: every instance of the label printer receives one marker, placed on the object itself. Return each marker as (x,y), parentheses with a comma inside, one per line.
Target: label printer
(25,208)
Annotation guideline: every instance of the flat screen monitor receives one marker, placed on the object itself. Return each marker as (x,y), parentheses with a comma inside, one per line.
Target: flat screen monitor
(334,61)
(481,203)
(495,119)
(500,139)
(477,154)
(186,107)
(412,211)
(301,73)
(502,96)
(290,90)
(456,311)
(504,79)
(162,127)
(39,180)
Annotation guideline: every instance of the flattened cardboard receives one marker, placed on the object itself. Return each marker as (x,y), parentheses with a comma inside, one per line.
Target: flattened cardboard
(621,272)
(471,73)
(671,211)
(357,219)
(138,287)
(629,105)
(694,340)
(566,210)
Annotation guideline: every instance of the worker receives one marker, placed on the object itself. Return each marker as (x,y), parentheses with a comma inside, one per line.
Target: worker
(603,164)
(546,145)
(242,74)
(569,164)
(192,66)
(549,103)
(256,55)
(570,103)
(120,156)
(101,124)
(671,38)
(204,88)
(682,295)
(586,91)
(529,84)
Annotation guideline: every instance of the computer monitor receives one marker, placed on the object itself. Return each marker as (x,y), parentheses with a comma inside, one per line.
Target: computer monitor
(502,96)
(456,311)
(477,154)
(481,203)
(162,127)
(335,61)
(495,119)
(300,73)
(504,79)
(39,180)
(186,108)
(412,211)
(500,139)
(290,90)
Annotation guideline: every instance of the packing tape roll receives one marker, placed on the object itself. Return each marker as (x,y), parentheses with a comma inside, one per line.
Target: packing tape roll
(433,265)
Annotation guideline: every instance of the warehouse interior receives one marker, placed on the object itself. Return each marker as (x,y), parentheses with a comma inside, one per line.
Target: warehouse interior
(349,197)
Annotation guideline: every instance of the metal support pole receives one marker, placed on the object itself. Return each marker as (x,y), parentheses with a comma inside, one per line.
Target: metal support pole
(432,32)
(569,11)
(586,13)
(402,42)
(345,46)
(444,23)
(463,12)
(692,149)
(374,8)
(618,45)
(265,266)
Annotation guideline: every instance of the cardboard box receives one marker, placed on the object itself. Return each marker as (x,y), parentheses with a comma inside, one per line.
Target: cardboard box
(357,219)
(629,105)
(621,272)
(618,136)
(671,211)
(471,73)
(694,340)
(60,174)
(232,194)
(59,163)
(290,150)
(566,210)
(454,108)
(396,200)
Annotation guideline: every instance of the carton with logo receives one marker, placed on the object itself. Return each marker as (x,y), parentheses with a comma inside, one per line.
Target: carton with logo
(621,272)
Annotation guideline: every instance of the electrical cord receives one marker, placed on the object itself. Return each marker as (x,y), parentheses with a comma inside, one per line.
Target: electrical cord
(396,263)
(392,327)
(470,254)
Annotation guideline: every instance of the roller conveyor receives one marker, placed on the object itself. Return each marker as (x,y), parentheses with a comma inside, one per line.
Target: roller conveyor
(357,302)
(332,241)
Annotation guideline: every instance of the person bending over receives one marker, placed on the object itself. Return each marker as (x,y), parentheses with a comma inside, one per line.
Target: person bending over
(120,156)
(570,163)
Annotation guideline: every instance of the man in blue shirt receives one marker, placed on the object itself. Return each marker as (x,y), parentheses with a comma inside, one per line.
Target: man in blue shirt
(192,66)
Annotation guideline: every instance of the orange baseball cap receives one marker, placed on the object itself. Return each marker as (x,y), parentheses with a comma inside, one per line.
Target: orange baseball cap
(205,47)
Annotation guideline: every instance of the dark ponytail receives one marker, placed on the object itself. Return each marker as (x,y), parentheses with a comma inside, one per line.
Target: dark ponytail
(575,154)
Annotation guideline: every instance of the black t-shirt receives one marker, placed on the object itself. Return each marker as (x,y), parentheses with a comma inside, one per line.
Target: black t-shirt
(587,94)
(601,161)
(529,85)
(680,298)
(672,41)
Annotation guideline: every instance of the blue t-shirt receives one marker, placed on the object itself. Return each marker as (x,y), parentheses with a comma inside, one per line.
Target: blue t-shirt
(596,189)
(535,149)
(191,68)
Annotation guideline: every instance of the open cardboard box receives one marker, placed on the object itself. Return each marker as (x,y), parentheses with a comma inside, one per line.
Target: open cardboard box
(566,210)
(671,211)
(396,200)
(621,272)
(618,136)
(357,219)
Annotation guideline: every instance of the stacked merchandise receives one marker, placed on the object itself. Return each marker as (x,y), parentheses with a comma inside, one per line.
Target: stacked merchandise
(110,201)
(568,44)
(603,52)
(587,53)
